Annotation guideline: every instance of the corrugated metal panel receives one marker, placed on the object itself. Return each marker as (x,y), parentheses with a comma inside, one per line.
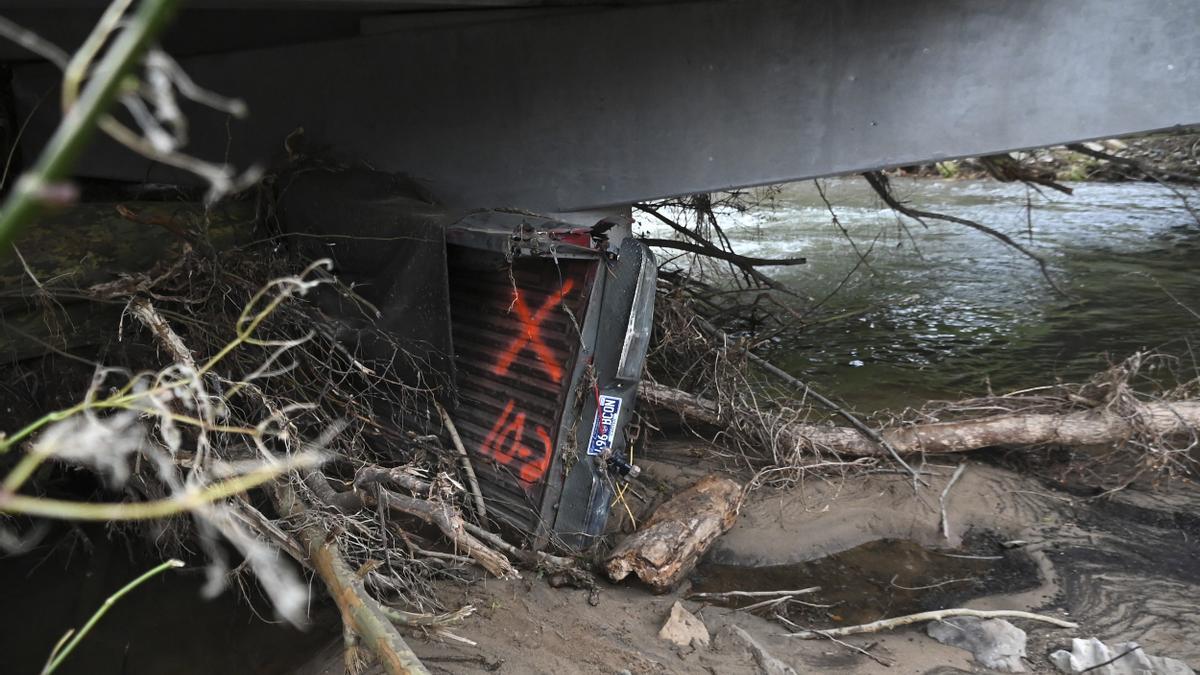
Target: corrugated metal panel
(515,338)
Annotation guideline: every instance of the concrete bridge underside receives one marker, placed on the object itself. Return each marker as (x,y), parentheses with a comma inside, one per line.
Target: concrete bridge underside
(571,106)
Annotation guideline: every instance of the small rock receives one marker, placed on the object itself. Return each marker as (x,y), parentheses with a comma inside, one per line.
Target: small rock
(683,628)
(1086,655)
(767,664)
(995,643)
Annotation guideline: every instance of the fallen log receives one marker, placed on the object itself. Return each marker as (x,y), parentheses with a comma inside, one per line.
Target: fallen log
(1097,426)
(668,545)
(365,618)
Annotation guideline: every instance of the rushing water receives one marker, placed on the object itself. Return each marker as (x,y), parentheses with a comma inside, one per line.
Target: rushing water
(943,310)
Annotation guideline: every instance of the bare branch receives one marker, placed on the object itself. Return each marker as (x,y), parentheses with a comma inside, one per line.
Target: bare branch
(879,183)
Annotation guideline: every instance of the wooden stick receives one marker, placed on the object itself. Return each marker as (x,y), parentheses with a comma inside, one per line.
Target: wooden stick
(953,479)
(466,462)
(792,624)
(752,594)
(888,624)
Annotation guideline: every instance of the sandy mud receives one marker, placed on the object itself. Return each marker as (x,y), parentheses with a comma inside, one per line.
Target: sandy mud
(1125,567)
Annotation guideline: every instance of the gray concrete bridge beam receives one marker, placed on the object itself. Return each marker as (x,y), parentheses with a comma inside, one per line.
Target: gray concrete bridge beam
(565,109)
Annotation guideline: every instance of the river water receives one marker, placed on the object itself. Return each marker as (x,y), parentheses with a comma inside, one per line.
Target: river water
(942,311)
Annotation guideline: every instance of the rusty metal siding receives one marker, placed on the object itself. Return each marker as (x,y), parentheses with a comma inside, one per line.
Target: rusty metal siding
(515,345)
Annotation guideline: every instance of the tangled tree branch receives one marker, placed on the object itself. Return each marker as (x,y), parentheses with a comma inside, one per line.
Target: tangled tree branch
(1006,169)
(697,243)
(880,184)
(1160,176)
(1154,173)
(363,615)
(807,392)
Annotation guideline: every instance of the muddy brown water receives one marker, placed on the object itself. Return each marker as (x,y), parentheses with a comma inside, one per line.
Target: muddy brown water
(883,578)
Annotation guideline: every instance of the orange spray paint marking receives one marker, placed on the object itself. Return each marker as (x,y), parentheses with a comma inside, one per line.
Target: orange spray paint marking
(531,335)
(505,443)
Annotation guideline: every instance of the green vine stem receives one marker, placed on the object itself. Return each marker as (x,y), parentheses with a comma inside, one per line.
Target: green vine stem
(60,653)
(27,199)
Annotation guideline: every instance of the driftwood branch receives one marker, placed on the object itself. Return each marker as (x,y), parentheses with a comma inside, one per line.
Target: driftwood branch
(1080,428)
(1154,173)
(450,522)
(534,559)
(1006,169)
(888,624)
(415,620)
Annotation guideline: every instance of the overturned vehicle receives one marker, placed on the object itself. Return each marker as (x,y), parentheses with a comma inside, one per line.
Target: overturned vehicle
(531,333)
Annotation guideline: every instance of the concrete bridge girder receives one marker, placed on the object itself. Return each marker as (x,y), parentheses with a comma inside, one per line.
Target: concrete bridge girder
(572,108)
